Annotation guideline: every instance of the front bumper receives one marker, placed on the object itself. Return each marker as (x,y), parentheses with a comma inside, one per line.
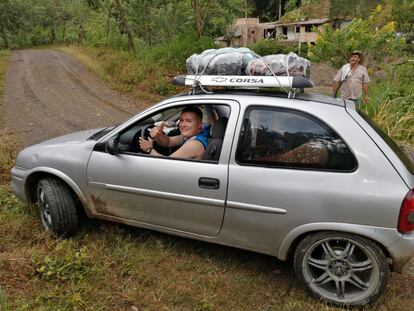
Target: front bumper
(18,177)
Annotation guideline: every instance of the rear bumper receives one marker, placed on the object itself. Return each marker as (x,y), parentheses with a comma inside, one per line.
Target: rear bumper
(402,251)
(18,177)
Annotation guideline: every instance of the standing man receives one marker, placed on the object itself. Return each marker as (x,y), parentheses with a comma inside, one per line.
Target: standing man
(352,78)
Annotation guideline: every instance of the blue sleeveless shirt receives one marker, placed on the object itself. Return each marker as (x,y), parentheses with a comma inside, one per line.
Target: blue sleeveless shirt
(202,138)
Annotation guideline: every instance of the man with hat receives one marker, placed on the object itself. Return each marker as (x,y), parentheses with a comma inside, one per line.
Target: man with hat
(352,79)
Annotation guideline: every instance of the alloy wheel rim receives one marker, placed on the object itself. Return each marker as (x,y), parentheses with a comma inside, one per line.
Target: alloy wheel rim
(341,270)
(44,209)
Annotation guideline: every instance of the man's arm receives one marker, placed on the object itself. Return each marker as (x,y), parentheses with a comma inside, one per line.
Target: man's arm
(193,149)
(365,88)
(335,87)
(163,140)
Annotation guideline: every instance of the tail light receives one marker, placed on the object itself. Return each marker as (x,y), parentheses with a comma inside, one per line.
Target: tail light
(406,219)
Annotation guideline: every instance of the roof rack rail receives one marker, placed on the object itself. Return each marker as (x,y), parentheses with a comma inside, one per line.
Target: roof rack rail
(291,82)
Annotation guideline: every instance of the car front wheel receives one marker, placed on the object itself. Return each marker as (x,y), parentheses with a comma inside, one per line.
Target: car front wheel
(341,268)
(57,207)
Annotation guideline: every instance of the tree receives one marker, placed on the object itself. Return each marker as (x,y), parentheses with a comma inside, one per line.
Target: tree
(290,5)
(125,26)
(15,19)
(402,14)
(200,10)
(350,9)
(374,40)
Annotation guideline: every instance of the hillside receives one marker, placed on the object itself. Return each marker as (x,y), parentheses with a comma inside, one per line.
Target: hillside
(333,9)
(308,10)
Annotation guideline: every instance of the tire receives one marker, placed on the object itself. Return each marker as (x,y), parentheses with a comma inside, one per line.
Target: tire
(57,207)
(342,269)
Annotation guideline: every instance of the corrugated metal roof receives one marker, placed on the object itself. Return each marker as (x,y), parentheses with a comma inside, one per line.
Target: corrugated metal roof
(308,22)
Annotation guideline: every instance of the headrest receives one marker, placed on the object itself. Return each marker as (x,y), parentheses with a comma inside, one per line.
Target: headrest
(218,128)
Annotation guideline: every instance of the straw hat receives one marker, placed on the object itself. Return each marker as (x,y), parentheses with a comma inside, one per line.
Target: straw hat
(360,54)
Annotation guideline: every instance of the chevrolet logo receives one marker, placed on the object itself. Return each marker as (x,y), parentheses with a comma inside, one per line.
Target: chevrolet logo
(219,79)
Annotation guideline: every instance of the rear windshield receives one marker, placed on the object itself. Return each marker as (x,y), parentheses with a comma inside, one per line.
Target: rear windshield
(393,145)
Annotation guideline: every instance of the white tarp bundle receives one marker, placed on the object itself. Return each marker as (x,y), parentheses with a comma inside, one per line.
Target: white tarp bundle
(225,61)
(243,61)
(279,64)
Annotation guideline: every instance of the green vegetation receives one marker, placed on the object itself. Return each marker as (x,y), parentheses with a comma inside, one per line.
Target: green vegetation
(310,9)
(376,40)
(120,24)
(148,71)
(115,267)
(350,9)
(274,46)
(391,102)
(4,56)
(4,305)
(389,62)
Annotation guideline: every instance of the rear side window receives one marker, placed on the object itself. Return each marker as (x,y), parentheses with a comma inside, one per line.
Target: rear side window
(393,145)
(288,138)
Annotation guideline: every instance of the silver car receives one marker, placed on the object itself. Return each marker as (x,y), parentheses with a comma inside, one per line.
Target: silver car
(308,178)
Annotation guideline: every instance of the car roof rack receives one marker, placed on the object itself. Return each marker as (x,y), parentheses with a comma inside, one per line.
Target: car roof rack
(248,82)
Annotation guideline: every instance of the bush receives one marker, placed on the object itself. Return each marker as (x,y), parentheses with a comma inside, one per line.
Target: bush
(268,47)
(376,41)
(273,46)
(172,55)
(391,102)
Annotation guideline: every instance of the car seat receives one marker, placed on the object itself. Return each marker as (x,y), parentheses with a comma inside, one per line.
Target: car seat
(213,150)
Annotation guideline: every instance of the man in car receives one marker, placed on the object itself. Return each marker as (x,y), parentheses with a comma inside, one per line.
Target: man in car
(193,140)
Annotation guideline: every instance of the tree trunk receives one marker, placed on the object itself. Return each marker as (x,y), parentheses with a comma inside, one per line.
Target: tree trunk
(64,33)
(125,25)
(200,15)
(108,25)
(172,20)
(4,36)
(53,35)
(81,34)
(197,17)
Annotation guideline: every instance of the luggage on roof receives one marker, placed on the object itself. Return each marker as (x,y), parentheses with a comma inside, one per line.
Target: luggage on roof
(242,68)
(280,65)
(225,61)
(243,61)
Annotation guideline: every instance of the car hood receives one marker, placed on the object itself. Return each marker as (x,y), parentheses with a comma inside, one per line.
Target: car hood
(72,138)
(59,151)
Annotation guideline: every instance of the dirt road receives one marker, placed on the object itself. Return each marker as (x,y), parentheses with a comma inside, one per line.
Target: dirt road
(49,93)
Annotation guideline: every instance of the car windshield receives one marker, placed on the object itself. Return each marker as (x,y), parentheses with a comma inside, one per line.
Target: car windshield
(408,162)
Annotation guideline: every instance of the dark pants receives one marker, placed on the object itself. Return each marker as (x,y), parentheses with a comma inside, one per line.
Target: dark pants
(357,102)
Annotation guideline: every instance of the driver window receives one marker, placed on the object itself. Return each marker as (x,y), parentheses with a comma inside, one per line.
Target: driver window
(193,132)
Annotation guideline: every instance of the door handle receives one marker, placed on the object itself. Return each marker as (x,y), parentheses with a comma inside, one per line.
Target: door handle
(209,183)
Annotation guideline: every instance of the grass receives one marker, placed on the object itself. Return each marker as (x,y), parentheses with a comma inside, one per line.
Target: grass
(4,305)
(116,267)
(394,121)
(121,71)
(4,55)
(391,103)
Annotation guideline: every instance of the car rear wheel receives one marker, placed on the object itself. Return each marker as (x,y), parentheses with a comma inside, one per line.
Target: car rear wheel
(57,207)
(341,268)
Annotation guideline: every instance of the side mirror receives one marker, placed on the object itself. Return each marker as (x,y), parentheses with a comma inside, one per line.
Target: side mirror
(112,145)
